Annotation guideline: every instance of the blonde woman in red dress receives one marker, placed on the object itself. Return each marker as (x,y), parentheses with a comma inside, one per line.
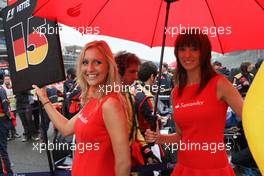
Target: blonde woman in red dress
(100,127)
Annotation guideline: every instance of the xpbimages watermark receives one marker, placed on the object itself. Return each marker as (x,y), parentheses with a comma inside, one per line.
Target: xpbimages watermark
(210,31)
(49,30)
(127,88)
(212,147)
(80,147)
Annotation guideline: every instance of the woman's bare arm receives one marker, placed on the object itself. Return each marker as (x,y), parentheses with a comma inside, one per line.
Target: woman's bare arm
(227,93)
(65,126)
(116,124)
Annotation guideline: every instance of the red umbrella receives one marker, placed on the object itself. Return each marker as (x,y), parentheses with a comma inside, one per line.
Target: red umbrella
(232,25)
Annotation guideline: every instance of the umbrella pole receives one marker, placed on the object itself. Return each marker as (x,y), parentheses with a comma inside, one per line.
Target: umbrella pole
(153,127)
(45,138)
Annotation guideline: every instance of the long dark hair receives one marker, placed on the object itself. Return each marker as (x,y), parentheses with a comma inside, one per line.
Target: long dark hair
(193,38)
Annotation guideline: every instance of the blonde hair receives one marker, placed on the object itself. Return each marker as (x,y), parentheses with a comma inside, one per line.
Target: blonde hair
(112,76)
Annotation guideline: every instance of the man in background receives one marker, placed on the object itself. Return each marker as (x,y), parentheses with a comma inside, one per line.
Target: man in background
(5,124)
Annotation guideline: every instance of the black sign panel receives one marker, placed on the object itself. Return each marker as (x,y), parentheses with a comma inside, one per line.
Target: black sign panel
(33,47)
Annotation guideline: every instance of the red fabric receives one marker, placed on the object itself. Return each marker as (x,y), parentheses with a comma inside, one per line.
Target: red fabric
(74,107)
(136,154)
(143,21)
(1,109)
(3,165)
(10,2)
(181,170)
(74,103)
(90,129)
(142,122)
(13,119)
(202,120)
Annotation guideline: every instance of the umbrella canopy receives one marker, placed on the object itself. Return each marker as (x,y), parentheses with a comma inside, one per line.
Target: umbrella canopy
(231,25)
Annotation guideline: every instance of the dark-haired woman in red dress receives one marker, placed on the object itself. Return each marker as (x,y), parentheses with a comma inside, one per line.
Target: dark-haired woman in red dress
(200,100)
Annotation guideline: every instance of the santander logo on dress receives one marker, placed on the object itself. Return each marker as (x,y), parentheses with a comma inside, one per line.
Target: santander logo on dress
(190,104)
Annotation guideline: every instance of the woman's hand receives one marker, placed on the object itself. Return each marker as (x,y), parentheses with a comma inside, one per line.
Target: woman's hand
(41,93)
(151,136)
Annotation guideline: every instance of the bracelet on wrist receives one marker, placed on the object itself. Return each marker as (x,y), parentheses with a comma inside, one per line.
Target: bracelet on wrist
(45,103)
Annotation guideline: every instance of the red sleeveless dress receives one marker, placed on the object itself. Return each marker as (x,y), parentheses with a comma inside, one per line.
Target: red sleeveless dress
(201,117)
(94,156)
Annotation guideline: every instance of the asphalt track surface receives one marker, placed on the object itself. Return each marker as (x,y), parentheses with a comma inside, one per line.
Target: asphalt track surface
(22,155)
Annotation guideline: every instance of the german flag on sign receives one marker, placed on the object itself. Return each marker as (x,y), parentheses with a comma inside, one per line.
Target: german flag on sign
(19,48)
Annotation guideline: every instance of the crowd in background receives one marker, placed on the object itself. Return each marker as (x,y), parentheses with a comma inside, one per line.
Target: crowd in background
(140,76)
